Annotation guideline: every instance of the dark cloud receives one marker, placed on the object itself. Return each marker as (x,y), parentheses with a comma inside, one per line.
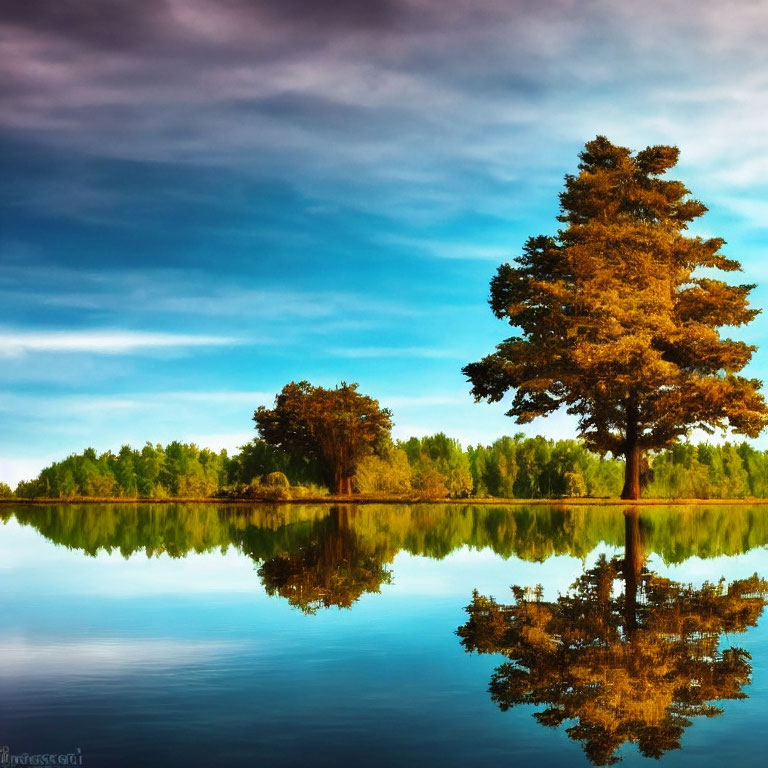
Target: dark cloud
(129,24)
(349,14)
(110,24)
(340,94)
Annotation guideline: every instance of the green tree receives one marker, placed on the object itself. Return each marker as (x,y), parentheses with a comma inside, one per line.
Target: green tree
(479,468)
(618,322)
(149,464)
(440,467)
(389,472)
(125,471)
(257,458)
(756,465)
(501,468)
(336,427)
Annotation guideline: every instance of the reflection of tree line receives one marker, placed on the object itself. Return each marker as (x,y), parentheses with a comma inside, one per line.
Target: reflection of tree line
(633,666)
(321,555)
(527,532)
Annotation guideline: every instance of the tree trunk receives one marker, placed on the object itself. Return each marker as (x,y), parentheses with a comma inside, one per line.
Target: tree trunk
(632,454)
(343,486)
(632,459)
(633,565)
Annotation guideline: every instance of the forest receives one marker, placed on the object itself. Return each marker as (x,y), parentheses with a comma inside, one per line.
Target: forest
(432,467)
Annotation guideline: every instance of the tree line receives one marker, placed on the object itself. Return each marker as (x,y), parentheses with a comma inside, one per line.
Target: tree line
(435,466)
(617,320)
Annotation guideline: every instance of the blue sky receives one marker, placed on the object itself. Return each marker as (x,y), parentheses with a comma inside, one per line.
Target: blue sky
(200,201)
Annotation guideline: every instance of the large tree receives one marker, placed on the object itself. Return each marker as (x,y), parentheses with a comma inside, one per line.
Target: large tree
(619,314)
(336,427)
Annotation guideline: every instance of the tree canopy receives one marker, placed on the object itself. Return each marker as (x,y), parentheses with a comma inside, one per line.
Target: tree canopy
(337,427)
(620,313)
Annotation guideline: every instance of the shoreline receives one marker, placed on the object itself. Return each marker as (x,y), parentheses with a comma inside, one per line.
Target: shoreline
(333,500)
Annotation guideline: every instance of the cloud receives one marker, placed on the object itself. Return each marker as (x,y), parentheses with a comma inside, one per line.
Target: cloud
(14,343)
(404,352)
(435,104)
(210,79)
(423,401)
(193,292)
(78,405)
(418,111)
(455,249)
(319,177)
(12,470)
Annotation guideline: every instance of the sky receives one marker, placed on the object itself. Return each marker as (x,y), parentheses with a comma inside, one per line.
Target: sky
(201,201)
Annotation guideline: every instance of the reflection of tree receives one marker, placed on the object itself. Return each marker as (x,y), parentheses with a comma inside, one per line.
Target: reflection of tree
(303,541)
(332,568)
(625,665)
(262,531)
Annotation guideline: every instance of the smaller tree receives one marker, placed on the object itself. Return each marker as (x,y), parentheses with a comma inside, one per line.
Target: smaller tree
(336,427)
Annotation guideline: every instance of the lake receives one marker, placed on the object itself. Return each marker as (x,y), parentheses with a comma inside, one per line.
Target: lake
(384,635)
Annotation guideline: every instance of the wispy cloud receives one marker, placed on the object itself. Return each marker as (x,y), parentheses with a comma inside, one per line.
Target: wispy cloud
(423,401)
(14,343)
(404,352)
(74,405)
(335,89)
(170,291)
(455,249)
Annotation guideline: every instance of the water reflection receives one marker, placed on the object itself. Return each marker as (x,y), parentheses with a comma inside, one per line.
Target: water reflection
(320,556)
(625,655)
(334,568)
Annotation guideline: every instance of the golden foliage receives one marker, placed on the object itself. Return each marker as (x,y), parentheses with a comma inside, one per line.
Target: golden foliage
(618,324)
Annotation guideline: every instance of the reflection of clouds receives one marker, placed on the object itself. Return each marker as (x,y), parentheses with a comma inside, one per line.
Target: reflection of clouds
(483,570)
(27,560)
(20,658)
(697,570)
(491,574)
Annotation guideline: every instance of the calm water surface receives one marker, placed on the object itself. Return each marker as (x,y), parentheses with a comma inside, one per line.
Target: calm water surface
(316,635)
